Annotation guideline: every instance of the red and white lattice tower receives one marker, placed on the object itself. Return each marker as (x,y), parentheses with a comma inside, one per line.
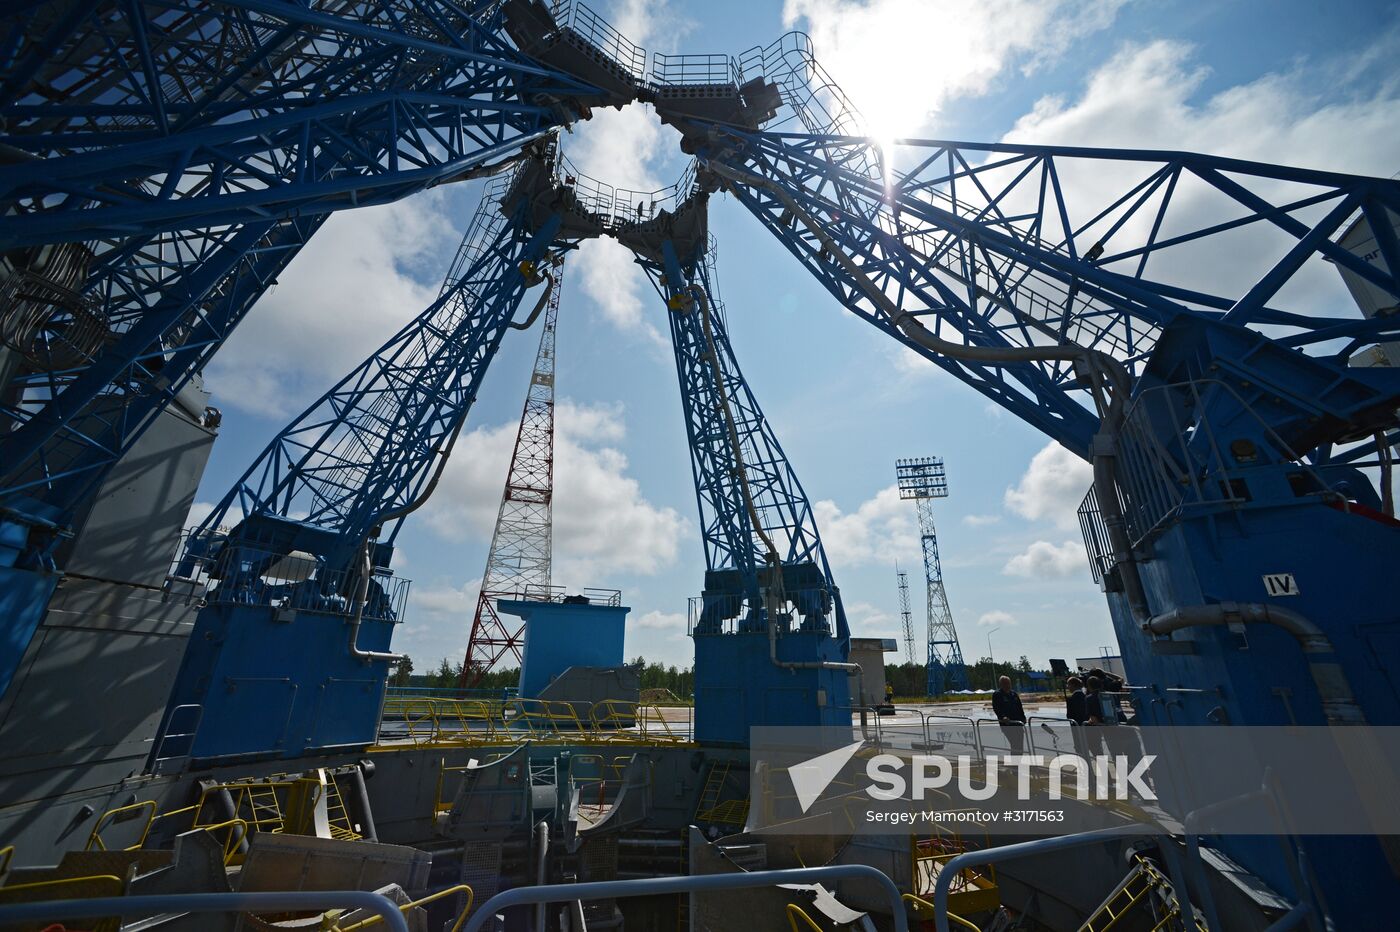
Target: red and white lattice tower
(519,562)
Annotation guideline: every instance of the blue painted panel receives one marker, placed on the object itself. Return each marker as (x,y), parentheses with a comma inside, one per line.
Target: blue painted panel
(276,683)
(24,596)
(1343,564)
(560,635)
(737,686)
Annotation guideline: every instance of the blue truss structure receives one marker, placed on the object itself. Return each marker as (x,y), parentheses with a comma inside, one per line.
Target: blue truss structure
(737,556)
(315,517)
(997,245)
(1229,423)
(369,447)
(203,144)
(143,118)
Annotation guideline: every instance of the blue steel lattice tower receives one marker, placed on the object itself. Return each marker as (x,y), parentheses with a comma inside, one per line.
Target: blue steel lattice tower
(923,480)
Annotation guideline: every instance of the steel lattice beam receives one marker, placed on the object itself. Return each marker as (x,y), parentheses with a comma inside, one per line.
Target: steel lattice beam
(370,445)
(519,562)
(214,137)
(1009,246)
(924,480)
(710,400)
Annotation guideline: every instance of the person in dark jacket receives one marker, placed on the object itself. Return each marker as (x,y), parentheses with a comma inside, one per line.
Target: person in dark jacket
(1077,711)
(1006,705)
(1077,705)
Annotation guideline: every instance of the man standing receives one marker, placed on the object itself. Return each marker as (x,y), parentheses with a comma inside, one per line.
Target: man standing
(1077,711)
(1006,704)
(1100,712)
(1077,705)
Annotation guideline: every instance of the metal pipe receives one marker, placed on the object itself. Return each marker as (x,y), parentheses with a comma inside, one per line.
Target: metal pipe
(1338,702)
(1291,919)
(362,591)
(955,865)
(359,793)
(541,869)
(606,889)
(1386,459)
(164,903)
(539,306)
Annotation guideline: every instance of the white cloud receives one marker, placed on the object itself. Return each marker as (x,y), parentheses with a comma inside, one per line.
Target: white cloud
(1148,96)
(201,510)
(363,276)
(659,621)
(901,61)
(980,520)
(438,623)
(866,620)
(631,149)
(878,530)
(620,289)
(603,524)
(1043,559)
(1054,484)
(996,617)
(445,604)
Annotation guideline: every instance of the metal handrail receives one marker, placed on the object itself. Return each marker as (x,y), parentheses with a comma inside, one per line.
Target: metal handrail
(1046,722)
(157,904)
(166,734)
(957,865)
(423,901)
(656,886)
(971,722)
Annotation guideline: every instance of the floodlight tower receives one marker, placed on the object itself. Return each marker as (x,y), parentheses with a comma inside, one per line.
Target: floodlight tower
(923,480)
(906,614)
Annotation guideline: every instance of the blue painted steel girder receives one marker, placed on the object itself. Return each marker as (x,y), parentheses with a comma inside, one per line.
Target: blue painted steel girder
(784,512)
(998,245)
(370,445)
(154,116)
(235,113)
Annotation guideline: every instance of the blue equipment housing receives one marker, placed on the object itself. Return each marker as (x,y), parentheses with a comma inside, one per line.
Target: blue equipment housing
(559,635)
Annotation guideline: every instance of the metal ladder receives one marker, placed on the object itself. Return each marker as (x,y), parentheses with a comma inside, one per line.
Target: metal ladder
(337,816)
(1144,895)
(710,809)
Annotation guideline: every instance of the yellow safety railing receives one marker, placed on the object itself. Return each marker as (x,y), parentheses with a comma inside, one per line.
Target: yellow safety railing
(257,806)
(7,854)
(430,898)
(1133,892)
(924,907)
(794,913)
(430,722)
(95,842)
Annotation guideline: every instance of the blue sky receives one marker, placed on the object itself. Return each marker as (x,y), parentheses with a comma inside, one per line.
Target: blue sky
(1302,83)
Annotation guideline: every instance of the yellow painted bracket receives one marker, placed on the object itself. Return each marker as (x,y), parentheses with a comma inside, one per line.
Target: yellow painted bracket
(430,898)
(923,907)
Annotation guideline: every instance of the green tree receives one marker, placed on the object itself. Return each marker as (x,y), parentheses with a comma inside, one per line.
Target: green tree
(403,670)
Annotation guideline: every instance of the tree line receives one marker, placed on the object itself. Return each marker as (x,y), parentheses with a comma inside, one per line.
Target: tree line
(908,679)
(680,681)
